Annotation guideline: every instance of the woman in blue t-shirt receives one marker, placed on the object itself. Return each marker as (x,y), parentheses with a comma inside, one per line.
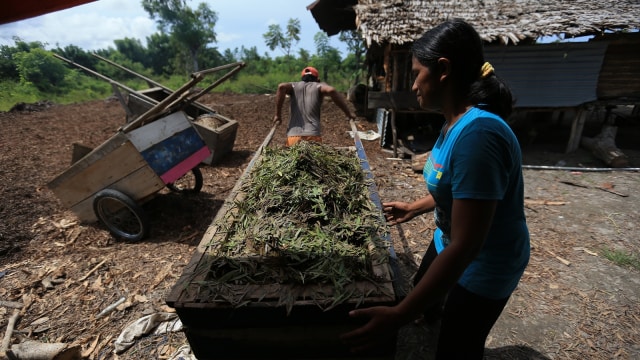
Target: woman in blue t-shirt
(476,192)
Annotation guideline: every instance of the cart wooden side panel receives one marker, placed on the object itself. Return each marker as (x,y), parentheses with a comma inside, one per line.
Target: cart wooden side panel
(138,164)
(116,164)
(138,185)
(219,139)
(170,145)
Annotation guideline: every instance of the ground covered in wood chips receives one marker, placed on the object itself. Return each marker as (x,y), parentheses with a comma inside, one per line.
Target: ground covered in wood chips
(573,302)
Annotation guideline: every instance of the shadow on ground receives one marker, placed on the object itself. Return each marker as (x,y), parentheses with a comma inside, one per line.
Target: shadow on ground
(513,352)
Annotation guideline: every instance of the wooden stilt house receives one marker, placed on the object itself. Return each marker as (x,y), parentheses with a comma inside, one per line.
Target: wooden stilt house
(576,77)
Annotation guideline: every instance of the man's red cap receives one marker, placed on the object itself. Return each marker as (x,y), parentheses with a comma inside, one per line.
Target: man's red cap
(309,70)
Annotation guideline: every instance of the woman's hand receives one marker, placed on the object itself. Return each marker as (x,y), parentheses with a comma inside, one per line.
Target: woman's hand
(380,330)
(397,212)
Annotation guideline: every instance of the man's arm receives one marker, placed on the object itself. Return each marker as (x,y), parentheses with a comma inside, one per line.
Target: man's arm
(338,99)
(281,93)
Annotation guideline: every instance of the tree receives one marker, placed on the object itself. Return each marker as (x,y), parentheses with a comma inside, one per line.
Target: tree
(355,46)
(192,29)
(211,58)
(158,46)
(8,66)
(275,38)
(133,50)
(328,57)
(77,55)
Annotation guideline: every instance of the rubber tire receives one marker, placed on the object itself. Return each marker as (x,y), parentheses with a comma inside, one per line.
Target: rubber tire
(197,175)
(129,221)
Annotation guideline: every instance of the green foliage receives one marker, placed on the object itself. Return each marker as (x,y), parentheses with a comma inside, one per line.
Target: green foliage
(8,67)
(76,87)
(133,50)
(14,92)
(357,50)
(158,46)
(622,258)
(246,83)
(276,38)
(78,56)
(40,68)
(29,73)
(191,29)
(305,218)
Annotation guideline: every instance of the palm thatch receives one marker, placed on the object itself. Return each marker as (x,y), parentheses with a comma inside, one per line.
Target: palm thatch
(503,21)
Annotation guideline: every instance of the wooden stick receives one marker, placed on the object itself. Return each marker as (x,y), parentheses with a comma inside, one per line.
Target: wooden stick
(566,262)
(11,304)
(111,307)
(596,187)
(611,191)
(6,341)
(92,270)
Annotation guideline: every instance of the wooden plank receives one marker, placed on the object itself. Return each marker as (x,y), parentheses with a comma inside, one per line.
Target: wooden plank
(220,140)
(139,185)
(268,295)
(311,341)
(193,269)
(576,130)
(79,151)
(96,154)
(110,168)
(164,105)
(153,133)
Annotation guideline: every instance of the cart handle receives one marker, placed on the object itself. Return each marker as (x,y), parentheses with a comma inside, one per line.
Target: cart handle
(237,67)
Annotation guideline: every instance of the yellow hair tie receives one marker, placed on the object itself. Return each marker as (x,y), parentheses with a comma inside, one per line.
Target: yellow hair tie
(486,70)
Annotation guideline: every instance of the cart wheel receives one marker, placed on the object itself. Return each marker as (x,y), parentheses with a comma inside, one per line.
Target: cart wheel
(121,215)
(190,183)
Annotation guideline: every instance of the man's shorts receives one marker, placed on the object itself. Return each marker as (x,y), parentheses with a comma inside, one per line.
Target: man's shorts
(294,139)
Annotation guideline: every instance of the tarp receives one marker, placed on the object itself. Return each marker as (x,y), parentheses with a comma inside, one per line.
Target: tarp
(14,10)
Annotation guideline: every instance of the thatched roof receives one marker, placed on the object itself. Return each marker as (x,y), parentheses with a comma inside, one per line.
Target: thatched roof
(508,22)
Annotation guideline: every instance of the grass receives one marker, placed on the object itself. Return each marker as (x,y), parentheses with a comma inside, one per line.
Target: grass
(622,258)
(79,87)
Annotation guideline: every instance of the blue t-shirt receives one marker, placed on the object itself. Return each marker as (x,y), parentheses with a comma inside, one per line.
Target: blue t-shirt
(479,158)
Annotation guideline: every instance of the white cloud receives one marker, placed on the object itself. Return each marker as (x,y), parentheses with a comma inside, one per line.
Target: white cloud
(96,25)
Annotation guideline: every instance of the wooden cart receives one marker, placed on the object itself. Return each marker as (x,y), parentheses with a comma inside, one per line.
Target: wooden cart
(161,147)
(263,327)
(218,131)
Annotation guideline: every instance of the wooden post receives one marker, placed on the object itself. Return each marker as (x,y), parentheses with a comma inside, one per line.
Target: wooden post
(576,129)
(394,132)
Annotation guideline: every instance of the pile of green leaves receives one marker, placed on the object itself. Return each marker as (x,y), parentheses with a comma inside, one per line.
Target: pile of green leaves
(306,218)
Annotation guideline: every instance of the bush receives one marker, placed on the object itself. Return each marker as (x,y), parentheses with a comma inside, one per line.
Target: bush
(41,69)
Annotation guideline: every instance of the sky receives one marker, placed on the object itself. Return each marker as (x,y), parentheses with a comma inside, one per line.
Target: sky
(96,25)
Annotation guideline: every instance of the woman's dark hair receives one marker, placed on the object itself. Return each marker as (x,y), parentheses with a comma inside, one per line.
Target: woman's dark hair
(459,42)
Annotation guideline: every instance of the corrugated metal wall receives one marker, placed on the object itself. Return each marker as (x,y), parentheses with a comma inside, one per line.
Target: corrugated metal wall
(558,75)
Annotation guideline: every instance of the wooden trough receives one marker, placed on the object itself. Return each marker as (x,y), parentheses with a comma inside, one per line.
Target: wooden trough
(263,326)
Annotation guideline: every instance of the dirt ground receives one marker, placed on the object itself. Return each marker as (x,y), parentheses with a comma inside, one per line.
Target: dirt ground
(573,303)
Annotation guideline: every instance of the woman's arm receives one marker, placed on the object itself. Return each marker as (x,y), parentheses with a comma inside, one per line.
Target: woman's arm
(397,212)
(470,223)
